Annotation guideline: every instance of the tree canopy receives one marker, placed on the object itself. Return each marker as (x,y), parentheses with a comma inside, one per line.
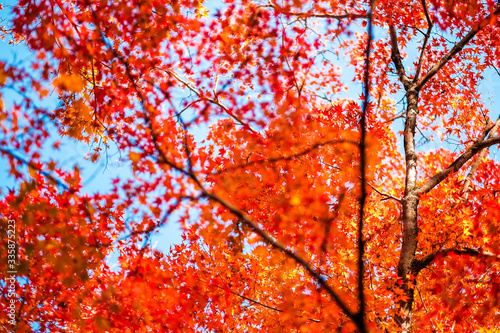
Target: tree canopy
(331,164)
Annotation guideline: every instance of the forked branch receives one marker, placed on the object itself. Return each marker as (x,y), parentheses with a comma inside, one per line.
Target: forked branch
(457,48)
(457,164)
(466,187)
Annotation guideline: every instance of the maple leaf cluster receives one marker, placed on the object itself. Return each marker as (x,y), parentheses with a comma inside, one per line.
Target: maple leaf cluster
(331,165)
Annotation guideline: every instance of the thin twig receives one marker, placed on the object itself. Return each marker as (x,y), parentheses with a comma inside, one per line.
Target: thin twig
(466,187)
(388,196)
(425,307)
(251,300)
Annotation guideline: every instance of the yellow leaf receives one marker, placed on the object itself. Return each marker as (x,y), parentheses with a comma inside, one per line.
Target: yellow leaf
(82,110)
(70,83)
(260,251)
(201,11)
(134,157)
(33,172)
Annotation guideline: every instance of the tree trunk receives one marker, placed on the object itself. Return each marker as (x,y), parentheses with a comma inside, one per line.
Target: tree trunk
(410,204)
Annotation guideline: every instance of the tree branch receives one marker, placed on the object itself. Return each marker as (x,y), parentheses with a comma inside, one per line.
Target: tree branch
(396,58)
(324,15)
(457,48)
(278,246)
(387,196)
(425,307)
(426,12)
(363,167)
(251,300)
(429,259)
(430,25)
(210,100)
(466,188)
(37,168)
(87,206)
(457,164)
(287,158)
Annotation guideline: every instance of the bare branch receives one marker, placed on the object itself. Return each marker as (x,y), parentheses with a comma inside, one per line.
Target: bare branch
(387,196)
(457,164)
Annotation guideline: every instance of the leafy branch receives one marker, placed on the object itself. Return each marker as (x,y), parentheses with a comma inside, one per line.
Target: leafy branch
(466,187)
(457,48)
(267,238)
(429,259)
(280,10)
(457,164)
(289,157)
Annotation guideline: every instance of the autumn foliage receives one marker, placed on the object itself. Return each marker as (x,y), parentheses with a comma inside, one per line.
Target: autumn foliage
(331,163)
